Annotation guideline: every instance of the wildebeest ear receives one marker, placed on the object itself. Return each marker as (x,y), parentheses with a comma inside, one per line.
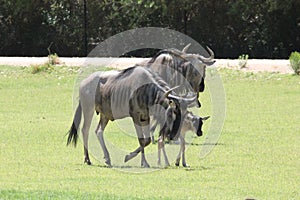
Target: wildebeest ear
(184,50)
(205,118)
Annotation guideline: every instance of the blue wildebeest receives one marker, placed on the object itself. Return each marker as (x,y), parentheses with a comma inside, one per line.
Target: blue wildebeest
(181,68)
(190,122)
(188,70)
(133,92)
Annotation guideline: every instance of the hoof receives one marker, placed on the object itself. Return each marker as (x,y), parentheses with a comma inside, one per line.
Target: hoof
(177,164)
(87,161)
(127,157)
(185,165)
(108,163)
(145,165)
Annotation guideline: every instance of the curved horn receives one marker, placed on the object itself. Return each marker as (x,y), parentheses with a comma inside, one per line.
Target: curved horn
(189,100)
(183,99)
(208,60)
(205,118)
(166,94)
(184,50)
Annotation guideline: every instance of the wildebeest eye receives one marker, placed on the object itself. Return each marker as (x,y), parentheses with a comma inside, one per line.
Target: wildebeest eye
(172,103)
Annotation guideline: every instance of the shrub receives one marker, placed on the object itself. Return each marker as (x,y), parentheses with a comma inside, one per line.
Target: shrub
(295,62)
(243,59)
(41,68)
(53,59)
(48,67)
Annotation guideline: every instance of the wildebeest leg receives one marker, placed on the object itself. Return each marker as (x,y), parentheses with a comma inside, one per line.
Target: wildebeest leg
(144,140)
(180,151)
(99,132)
(88,112)
(161,147)
(85,134)
(165,154)
(133,154)
(183,152)
(152,129)
(167,163)
(138,150)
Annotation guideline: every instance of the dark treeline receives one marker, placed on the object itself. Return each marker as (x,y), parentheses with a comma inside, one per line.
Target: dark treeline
(259,28)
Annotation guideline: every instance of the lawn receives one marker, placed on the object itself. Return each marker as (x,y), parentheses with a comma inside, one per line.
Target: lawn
(257,155)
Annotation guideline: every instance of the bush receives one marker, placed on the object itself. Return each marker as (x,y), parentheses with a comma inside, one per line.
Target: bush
(243,59)
(295,62)
(41,68)
(53,59)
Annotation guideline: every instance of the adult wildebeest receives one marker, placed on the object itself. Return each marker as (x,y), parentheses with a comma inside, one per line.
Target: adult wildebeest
(190,122)
(181,68)
(134,92)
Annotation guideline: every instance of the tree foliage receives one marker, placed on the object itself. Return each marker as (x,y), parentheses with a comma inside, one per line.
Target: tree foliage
(259,28)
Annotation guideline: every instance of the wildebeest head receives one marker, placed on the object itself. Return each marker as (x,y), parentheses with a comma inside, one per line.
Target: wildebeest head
(197,65)
(193,123)
(178,67)
(172,120)
(176,106)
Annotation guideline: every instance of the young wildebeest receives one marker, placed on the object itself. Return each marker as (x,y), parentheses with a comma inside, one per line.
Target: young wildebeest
(133,92)
(190,122)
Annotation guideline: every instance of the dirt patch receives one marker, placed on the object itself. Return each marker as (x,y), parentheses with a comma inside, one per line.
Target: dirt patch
(252,65)
(257,65)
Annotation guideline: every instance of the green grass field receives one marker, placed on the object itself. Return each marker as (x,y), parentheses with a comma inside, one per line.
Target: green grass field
(257,155)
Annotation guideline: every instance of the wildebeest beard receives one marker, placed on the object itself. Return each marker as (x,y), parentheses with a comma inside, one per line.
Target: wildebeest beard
(175,131)
(201,85)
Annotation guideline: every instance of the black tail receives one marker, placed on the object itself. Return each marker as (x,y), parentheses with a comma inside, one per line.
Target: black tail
(73,132)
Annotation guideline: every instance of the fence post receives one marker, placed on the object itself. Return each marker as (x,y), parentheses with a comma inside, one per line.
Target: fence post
(85,27)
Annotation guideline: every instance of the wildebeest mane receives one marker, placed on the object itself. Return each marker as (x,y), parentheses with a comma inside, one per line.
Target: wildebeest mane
(125,72)
(157,79)
(171,51)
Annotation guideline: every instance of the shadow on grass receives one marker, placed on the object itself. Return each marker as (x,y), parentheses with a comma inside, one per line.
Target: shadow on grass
(138,169)
(206,144)
(193,144)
